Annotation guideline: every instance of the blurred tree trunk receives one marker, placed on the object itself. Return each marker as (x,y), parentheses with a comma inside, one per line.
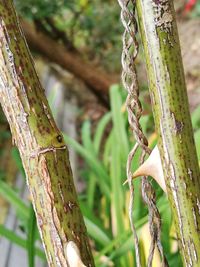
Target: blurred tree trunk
(159,35)
(43,152)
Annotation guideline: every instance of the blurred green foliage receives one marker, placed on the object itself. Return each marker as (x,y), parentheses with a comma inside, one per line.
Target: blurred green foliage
(92,26)
(33,9)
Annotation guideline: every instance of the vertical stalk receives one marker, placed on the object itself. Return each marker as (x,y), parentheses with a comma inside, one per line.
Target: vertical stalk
(42,149)
(160,40)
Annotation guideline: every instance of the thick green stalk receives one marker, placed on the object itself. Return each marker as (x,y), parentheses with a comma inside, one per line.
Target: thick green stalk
(159,35)
(42,149)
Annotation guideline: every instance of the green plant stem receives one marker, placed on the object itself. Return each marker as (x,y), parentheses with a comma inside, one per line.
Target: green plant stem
(159,35)
(41,146)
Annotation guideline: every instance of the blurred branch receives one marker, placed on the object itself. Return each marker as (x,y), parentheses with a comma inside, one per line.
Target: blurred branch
(54,33)
(97,81)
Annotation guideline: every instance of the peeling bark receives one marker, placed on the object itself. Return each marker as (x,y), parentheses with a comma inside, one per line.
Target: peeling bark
(43,152)
(158,28)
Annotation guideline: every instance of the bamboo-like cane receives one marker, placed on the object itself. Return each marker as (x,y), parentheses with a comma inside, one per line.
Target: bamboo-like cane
(160,40)
(43,152)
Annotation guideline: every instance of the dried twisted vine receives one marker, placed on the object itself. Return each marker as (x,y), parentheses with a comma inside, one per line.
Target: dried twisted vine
(134,109)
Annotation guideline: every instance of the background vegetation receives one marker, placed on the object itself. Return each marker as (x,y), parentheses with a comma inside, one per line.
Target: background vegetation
(91,30)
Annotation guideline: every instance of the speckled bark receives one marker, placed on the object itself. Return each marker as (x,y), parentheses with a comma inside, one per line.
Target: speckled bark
(41,146)
(172,119)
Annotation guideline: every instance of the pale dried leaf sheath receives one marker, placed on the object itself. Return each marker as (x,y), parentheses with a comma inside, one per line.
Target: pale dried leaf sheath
(159,34)
(43,152)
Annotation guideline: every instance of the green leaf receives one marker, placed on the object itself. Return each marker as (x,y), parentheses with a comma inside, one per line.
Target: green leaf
(14,238)
(119,122)
(197,142)
(88,144)
(125,238)
(86,137)
(196,118)
(96,232)
(100,131)
(114,243)
(11,196)
(91,190)
(31,237)
(98,169)
(116,187)
(17,158)
(107,150)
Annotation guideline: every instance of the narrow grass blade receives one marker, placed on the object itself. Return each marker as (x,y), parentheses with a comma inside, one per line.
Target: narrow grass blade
(31,237)
(197,142)
(86,137)
(14,238)
(119,122)
(11,196)
(99,170)
(96,232)
(89,146)
(100,131)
